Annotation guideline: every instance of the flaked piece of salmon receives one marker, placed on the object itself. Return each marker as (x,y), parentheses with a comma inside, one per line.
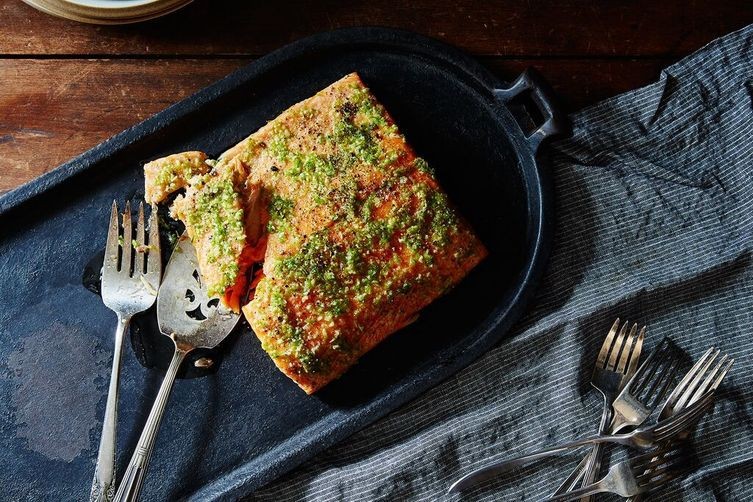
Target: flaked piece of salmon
(219,210)
(172,173)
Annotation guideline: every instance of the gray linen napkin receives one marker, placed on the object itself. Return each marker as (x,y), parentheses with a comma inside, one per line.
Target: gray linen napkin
(654,199)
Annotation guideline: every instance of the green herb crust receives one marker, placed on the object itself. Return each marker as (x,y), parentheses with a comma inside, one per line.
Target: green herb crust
(355,233)
(169,174)
(361,237)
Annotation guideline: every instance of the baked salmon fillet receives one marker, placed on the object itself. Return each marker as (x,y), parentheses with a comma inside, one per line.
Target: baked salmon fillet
(354,232)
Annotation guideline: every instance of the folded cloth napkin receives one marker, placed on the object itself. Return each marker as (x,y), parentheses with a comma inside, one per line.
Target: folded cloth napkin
(654,209)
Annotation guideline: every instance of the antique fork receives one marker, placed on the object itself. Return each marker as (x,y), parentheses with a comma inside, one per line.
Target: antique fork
(615,365)
(695,383)
(131,275)
(638,398)
(643,438)
(638,475)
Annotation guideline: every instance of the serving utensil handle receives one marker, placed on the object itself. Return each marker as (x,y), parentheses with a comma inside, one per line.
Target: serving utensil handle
(103,485)
(133,479)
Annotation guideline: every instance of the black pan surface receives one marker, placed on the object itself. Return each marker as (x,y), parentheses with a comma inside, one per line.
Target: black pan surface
(244,423)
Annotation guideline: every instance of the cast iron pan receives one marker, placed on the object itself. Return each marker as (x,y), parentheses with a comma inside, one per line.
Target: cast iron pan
(244,424)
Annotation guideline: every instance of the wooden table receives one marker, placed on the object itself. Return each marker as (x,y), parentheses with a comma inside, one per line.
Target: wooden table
(64,86)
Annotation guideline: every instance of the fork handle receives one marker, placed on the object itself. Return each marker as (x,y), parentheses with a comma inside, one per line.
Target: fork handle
(133,479)
(103,485)
(502,466)
(588,468)
(593,464)
(586,491)
(575,477)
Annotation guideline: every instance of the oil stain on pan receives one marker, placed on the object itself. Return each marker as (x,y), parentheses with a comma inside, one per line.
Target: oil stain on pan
(57,372)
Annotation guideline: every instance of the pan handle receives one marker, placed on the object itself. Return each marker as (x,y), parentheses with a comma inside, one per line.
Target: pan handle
(555,121)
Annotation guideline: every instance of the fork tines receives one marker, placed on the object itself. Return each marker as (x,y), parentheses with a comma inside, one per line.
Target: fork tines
(700,379)
(714,377)
(685,419)
(619,351)
(656,374)
(661,465)
(128,254)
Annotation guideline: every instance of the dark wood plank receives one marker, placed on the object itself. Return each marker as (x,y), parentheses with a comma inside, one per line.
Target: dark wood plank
(53,110)
(516,28)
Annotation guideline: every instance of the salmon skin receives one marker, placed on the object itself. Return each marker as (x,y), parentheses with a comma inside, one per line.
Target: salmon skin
(355,234)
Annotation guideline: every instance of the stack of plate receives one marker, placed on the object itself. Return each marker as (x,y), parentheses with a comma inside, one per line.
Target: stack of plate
(108,11)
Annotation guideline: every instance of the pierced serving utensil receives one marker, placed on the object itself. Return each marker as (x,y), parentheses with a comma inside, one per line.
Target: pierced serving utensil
(131,274)
(616,363)
(638,475)
(643,438)
(192,320)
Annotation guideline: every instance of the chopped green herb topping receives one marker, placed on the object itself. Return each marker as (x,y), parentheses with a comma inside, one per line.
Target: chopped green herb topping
(373,113)
(217,211)
(249,151)
(423,166)
(279,209)
(334,274)
(178,171)
(354,139)
(278,142)
(294,344)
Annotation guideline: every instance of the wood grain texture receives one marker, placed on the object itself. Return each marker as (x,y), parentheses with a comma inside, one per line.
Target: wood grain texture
(56,109)
(518,28)
(53,110)
(65,86)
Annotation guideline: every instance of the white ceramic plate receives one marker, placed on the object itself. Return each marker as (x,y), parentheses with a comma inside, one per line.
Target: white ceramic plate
(108,11)
(112,4)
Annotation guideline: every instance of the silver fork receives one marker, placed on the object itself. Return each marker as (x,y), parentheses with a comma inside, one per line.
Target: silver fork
(615,364)
(638,398)
(131,275)
(637,475)
(698,381)
(643,438)
(647,389)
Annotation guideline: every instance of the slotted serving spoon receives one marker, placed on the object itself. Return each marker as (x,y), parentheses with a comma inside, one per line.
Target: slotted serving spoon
(192,320)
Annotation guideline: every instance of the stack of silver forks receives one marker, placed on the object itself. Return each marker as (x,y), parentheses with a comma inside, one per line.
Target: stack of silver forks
(632,394)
